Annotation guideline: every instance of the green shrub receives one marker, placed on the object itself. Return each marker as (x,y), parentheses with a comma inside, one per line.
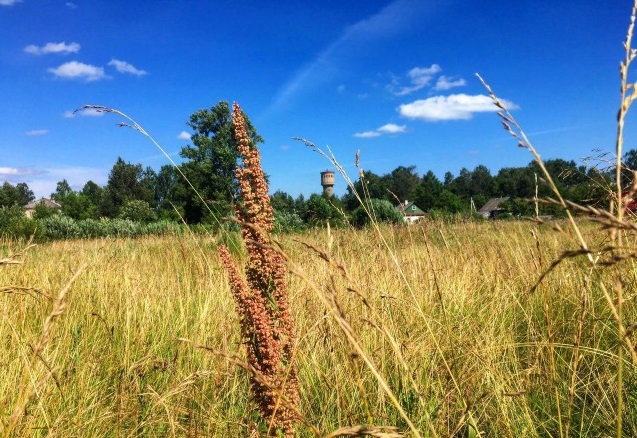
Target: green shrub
(378,210)
(59,226)
(137,211)
(13,223)
(91,228)
(285,222)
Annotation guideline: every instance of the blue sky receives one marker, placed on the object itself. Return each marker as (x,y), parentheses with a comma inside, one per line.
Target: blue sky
(394,79)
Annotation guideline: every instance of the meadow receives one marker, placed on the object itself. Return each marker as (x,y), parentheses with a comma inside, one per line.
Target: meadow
(461,328)
(450,315)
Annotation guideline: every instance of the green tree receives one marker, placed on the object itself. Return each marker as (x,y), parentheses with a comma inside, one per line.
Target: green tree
(282,202)
(402,183)
(78,206)
(319,210)
(62,190)
(24,194)
(93,192)
(18,195)
(427,193)
(210,163)
(370,186)
(127,182)
(137,211)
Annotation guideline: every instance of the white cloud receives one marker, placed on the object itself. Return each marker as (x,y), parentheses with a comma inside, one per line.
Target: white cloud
(9,2)
(8,172)
(446,83)
(419,77)
(183,135)
(389,128)
(367,134)
(340,89)
(89,112)
(79,70)
(44,180)
(125,67)
(452,107)
(53,48)
(34,132)
(70,5)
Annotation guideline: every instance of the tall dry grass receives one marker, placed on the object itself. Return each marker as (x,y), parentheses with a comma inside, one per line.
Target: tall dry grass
(457,335)
(440,329)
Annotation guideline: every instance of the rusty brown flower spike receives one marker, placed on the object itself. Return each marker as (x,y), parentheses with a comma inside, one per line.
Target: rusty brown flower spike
(261,298)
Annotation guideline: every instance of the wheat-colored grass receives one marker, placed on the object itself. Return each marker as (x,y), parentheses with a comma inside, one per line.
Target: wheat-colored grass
(457,333)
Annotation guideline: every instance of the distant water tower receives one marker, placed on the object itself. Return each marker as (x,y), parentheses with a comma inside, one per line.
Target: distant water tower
(327,181)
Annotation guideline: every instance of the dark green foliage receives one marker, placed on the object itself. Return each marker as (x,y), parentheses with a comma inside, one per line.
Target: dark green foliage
(209,165)
(137,211)
(127,182)
(18,195)
(319,210)
(13,223)
(283,203)
(62,190)
(377,210)
(403,182)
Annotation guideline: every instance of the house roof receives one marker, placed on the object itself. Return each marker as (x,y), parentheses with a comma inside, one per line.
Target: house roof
(410,209)
(493,204)
(43,201)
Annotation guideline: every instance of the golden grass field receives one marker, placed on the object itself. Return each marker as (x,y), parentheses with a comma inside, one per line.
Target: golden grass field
(148,343)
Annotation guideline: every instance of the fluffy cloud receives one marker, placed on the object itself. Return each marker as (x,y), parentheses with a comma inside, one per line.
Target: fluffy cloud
(35,132)
(91,112)
(79,70)
(53,48)
(125,67)
(9,2)
(419,78)
(446,83)
(452,107)
(183,135)
(389,128)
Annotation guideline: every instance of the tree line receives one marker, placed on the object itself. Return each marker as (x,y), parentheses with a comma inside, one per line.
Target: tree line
(202,189)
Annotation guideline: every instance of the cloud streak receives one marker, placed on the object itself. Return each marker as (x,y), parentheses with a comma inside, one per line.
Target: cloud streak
(9,2)
(447,83)
(48,48)
(35,132)
(389,21)
(452,107)
(419,78)
(125,67)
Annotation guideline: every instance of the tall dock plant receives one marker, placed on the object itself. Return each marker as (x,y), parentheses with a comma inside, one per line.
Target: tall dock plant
(261,297)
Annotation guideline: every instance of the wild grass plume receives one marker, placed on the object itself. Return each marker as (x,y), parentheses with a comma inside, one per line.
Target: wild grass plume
(262,300)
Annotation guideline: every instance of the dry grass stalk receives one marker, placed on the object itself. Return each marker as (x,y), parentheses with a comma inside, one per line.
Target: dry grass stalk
(261,299)
(373,431)
(26,391)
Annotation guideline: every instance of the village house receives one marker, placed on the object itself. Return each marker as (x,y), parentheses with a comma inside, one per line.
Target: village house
(493,207)
(411,212)
(29,209)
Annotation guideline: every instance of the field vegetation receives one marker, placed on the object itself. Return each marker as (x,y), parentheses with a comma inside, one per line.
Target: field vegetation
(446,328)
(148,343)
